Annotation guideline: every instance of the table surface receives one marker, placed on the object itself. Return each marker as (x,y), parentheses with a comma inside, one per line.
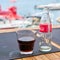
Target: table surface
(51,56)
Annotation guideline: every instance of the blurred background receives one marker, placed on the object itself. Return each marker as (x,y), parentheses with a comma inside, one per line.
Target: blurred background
(26,7)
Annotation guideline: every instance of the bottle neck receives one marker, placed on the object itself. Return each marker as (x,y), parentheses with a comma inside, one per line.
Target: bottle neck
(45,16)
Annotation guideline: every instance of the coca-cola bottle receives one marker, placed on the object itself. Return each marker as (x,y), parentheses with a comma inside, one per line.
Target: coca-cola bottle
(45,31)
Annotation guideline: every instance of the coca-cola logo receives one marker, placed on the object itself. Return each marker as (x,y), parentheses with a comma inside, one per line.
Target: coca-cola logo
(45,28)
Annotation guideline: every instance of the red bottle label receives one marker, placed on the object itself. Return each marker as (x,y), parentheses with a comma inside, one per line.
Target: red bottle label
(45,28)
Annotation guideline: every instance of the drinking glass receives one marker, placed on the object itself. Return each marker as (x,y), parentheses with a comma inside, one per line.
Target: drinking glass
(26,40)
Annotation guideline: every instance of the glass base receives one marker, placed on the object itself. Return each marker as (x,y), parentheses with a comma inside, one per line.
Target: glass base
(21,52)
(45,48)
(13,54)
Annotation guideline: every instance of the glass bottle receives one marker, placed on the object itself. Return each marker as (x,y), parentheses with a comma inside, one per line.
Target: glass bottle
(45,31)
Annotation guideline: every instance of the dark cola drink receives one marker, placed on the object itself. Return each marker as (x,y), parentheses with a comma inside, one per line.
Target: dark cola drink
(26,44)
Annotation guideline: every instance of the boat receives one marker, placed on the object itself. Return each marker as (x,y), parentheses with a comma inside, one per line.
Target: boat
(10,18)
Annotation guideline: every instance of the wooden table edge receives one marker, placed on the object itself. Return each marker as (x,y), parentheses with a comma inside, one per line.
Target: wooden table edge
(15,29)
